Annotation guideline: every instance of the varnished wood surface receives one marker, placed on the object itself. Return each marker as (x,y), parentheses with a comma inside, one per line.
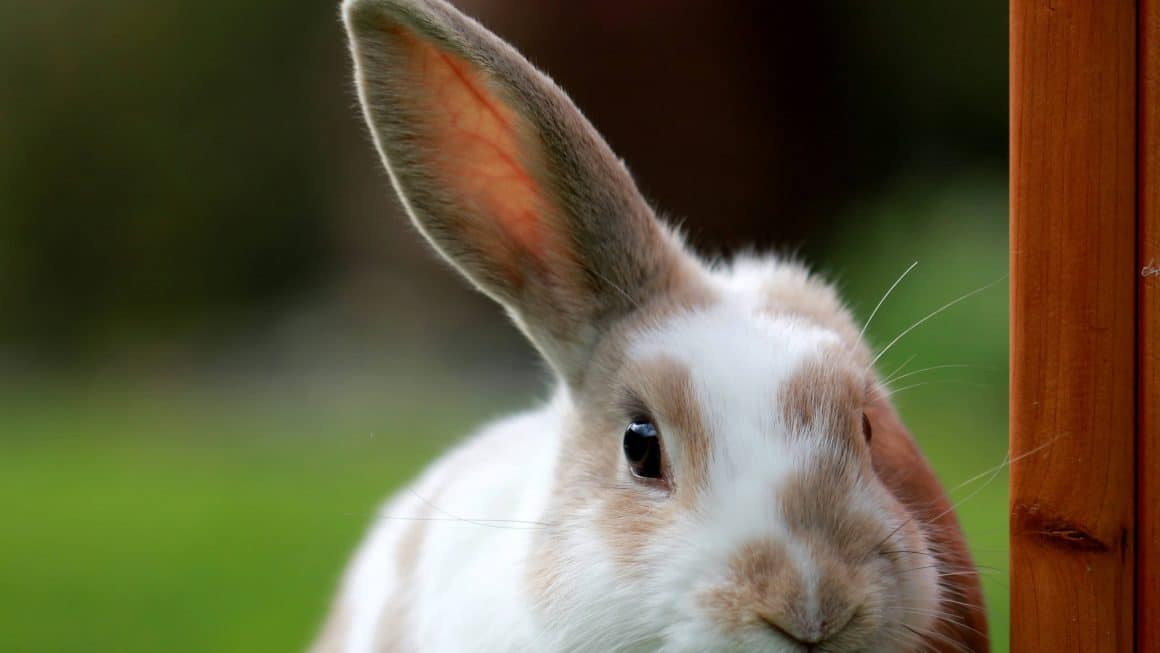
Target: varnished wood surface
(1073,334)
(1148,334)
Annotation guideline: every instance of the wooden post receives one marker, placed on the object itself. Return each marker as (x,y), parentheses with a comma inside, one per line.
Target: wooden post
(1148,335)
(1073,324)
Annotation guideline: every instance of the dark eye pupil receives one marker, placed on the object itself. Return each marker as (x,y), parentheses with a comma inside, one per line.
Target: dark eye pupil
(866,430)
(642,448)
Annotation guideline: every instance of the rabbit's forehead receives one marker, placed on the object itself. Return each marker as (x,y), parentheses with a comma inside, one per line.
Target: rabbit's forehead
(742,361)
(772,394)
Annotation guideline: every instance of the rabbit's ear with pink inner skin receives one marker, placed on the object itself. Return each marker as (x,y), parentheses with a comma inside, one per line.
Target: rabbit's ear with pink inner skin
(505,176)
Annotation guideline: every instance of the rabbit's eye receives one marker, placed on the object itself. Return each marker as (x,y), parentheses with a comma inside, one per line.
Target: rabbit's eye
(642,448)
(867,432)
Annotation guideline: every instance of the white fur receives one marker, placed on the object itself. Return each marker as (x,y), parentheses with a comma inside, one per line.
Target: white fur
(474,543)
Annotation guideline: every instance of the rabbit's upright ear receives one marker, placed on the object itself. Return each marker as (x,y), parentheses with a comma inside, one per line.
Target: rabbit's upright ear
(505,176)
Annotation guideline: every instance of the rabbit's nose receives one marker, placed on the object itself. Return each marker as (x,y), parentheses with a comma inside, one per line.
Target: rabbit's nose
(779,625)
(805,600)
(807,633)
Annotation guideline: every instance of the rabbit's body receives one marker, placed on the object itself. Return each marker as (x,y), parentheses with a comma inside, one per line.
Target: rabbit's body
(720,468)
(435,574)
(460,559)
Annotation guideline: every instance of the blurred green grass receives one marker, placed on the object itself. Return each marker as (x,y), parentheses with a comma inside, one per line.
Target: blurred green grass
(162,524)
(140,518)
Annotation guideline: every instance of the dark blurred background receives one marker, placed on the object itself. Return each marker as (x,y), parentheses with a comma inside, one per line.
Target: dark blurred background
(221,343)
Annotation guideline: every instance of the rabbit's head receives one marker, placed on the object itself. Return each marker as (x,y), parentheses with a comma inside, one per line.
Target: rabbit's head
(730,475)
(742,508)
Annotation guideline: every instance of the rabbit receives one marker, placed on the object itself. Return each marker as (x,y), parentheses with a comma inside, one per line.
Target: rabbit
(719,467)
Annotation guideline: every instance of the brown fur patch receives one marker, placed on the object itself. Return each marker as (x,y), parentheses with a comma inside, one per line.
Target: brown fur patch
(631,512)
(593,470)
(666,386)
(815,505)
(792,290)
(824,392)
(764,589)
(762,584)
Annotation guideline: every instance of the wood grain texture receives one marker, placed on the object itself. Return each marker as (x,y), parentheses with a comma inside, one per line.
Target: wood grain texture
(1148,335)
(1073,235)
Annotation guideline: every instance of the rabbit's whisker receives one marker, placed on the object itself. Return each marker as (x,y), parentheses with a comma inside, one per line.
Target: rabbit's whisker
(934,313)
(900,367)
(479,522)
(890,379)
(989,474)
(1007,462)
(912,386)
(508,524)
(958,646)
(882,301)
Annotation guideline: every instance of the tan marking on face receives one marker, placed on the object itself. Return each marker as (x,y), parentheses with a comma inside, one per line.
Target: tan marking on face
(591,467)
(825,392)
(816,506)
(761,582)
(630,516)
(792,290)
(824,400)
(763,589)
(588,470)
(666,387)
(631,511)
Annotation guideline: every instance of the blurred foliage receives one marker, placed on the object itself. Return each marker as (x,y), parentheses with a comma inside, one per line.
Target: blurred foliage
(217,354)
(176,168)
(153,163)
